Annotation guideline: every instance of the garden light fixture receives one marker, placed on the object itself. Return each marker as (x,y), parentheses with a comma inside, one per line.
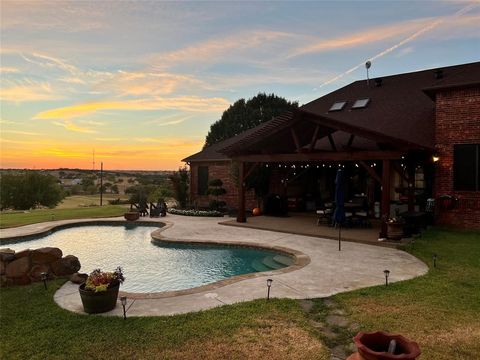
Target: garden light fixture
(269,285)
(123,300)
(387,274)
(43,277)
(434,260)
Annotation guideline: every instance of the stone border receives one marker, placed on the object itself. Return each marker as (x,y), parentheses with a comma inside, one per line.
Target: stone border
(300,259)
(53,228)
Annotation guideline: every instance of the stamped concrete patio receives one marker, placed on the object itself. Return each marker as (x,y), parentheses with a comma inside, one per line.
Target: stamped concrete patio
(329,271)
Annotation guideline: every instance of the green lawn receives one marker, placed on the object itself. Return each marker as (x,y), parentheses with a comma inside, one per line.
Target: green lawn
(34,327)
(12,219)
(88,200)
(441,310)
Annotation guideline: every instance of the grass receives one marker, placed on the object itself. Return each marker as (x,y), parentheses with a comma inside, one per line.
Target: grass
(441,311)
(12,219)
(34,327)
(88,200)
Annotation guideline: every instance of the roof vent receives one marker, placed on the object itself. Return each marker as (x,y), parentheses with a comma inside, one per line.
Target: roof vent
(360,103)
(438,74)
(378,82)
(337,106)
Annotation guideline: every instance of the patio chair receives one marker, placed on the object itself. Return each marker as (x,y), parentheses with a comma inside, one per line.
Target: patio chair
(324,213)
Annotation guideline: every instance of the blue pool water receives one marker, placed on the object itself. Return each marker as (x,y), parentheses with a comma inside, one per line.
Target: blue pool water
(149,267)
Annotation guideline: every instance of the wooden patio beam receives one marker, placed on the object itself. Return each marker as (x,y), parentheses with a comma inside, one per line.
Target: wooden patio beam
(241,217)
(370,171)
(295,139)
(249,171)
(314,138)
(332,143)
(350,141)
(400,171)
(322,156)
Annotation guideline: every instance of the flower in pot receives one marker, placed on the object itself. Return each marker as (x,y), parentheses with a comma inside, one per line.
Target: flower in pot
(100,291)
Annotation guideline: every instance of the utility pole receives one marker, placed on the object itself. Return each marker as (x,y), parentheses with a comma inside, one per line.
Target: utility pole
(101,183)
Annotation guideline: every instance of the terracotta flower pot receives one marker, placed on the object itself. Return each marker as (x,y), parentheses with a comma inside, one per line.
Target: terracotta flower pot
(131,216)
(99,302)
(374,346)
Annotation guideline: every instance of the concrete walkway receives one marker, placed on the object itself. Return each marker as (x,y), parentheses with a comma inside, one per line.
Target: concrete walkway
(329,271)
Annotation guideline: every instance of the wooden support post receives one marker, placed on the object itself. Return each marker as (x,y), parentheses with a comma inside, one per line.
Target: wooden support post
(241,218)
(295,139)
(411,187)
(385,204)
(314,138)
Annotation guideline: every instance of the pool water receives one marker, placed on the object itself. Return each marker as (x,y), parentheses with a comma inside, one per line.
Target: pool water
(150,267)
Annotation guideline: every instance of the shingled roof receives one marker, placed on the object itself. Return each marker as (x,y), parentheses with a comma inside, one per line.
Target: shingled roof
(400,107)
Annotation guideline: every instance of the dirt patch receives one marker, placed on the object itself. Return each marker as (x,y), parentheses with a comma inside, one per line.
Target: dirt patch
(268,340)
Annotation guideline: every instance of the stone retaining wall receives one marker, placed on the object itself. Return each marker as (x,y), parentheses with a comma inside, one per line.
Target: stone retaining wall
(26,266)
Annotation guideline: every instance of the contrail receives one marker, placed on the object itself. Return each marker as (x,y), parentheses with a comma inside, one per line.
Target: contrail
(433,25)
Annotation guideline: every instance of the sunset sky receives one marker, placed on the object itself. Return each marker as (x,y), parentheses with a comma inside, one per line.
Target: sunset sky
(141,82)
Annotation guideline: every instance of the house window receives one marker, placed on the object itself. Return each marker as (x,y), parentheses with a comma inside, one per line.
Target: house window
(466,167)
(202,180)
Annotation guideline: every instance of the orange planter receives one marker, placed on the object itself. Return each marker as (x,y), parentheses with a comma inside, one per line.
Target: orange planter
(256,211)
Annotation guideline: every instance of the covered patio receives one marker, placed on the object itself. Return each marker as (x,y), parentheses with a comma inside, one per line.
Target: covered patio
(304,149)
(303,224)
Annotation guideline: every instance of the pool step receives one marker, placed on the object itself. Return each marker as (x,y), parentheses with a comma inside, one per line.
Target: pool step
(259,266)
(271,263)
(284,260)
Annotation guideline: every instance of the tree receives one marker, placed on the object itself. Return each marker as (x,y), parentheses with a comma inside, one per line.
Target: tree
(30,190)
(216,189)
(244,115)
(179,181)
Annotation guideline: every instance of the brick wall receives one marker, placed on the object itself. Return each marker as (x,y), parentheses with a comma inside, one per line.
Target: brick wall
(457,122)
(219,170)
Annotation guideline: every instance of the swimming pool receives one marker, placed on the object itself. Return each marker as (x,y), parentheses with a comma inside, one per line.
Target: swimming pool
(152,267)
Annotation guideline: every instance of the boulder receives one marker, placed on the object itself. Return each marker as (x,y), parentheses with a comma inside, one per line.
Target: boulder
(18,268)
(22,254)
(35,273)
(46,255)
(78,278)
(7,254)
(66,266)
(21,280)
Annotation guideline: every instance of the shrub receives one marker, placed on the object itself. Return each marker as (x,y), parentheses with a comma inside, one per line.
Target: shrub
(206,213)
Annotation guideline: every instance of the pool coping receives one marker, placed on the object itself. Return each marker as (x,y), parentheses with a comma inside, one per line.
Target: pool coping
(300,259)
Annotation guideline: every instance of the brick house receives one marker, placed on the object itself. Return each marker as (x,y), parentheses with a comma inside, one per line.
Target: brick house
(400,138)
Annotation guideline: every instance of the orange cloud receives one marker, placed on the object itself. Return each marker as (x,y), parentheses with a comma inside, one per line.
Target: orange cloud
(186,103)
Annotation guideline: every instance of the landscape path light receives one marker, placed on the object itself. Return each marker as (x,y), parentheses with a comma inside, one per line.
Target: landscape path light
(43,277)
(123,300)
(387,274)
(434,260)
(269,285)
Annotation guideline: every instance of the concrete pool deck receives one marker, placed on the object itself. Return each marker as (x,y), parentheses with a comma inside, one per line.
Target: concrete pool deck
(329,271)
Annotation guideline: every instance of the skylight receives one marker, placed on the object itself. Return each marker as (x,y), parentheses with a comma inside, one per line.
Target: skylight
(360,103)
(338,105)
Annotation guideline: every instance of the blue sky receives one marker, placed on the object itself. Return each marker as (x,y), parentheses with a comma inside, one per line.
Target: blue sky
(141,82)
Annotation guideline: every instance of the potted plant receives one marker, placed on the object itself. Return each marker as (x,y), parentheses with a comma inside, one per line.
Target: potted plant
(395,228)
(100,291)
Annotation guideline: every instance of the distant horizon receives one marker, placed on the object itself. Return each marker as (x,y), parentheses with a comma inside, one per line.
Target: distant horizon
(104,169)
(140,83)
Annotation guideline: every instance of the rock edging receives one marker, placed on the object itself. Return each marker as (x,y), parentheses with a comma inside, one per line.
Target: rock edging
(26,266)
